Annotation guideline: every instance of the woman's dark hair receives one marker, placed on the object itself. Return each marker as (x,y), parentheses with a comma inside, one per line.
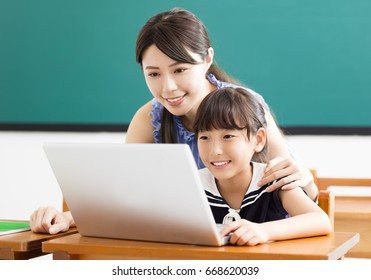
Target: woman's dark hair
(175,32)
(231,108)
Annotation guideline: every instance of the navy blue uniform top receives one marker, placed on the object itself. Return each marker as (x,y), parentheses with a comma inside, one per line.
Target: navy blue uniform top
(257,206)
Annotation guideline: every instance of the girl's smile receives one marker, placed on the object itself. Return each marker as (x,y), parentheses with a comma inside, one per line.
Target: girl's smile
(220,164)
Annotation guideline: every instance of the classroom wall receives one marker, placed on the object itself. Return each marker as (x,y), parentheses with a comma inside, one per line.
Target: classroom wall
(73,62)
(27,182)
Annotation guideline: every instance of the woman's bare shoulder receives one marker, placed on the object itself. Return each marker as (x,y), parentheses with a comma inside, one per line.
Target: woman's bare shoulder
(140,129)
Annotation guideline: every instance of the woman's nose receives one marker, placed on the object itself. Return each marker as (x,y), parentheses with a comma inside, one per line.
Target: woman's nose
(169,83)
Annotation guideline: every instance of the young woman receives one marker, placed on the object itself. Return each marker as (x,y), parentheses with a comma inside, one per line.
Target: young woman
(230,128)
(174,51)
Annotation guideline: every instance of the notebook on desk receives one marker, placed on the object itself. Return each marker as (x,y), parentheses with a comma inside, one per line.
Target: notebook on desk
(148,192)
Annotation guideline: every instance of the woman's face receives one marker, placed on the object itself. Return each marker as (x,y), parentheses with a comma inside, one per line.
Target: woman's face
(179,87)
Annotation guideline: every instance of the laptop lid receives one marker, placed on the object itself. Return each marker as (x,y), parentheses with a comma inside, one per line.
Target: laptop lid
(146,192)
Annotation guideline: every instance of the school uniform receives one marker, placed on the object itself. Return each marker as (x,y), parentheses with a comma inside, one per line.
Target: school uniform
(257,206)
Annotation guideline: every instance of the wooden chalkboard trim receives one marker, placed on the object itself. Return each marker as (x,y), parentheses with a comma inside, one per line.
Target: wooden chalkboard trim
(288,130)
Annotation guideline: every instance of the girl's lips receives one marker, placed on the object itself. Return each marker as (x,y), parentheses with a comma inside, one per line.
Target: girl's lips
(220,163)
(176,100)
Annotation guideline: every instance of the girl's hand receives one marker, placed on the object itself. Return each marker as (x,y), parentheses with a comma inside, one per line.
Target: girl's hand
(286,173)
(50,220)
(244,232)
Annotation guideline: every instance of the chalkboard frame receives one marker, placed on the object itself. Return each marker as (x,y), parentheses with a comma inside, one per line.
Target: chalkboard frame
(293,130)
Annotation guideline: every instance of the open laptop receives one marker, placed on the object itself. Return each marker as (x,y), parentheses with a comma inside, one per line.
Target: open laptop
(146,192)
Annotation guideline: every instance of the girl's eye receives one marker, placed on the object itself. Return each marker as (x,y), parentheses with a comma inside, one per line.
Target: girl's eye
(228,136)
(202,137)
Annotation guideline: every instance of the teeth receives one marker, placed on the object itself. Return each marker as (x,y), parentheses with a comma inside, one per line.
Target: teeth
(174,99)
(220,163)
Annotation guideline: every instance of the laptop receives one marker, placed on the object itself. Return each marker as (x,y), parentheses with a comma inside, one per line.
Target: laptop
(149,192)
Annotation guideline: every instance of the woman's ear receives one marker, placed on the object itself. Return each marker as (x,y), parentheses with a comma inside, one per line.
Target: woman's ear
(261,139)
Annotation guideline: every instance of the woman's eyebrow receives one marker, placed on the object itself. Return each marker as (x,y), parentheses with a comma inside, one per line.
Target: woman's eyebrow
(176,63)
(151,67)
(170,65)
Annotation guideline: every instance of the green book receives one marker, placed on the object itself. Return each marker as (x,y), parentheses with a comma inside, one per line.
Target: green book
(8,227)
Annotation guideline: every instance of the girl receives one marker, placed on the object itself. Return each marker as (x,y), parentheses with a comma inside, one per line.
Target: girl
(230,127)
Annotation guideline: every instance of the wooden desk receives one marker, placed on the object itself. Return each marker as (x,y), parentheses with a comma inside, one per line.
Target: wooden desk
(77,247)
(25,245)
(354,214)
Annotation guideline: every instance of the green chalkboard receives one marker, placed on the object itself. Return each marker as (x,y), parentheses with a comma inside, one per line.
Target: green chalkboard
(73,62)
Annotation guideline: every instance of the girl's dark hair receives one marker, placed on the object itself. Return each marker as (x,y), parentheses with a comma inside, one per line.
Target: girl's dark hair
(175,32)
(231,108)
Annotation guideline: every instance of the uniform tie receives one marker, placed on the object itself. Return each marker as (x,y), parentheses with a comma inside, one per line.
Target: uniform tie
(233,215)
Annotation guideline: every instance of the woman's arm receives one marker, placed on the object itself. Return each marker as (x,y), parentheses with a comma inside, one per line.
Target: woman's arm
(140,129)
(277,146)
(282,167)
(286,173)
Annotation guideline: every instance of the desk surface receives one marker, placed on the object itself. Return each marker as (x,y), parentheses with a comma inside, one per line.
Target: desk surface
(353,206)
(332,246)
(354,214)
(25,245)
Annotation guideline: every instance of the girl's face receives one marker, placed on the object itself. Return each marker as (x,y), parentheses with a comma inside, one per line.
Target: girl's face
(179,87)
(227,153)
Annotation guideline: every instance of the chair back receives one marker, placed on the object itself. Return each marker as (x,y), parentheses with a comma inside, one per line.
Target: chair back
(326,201)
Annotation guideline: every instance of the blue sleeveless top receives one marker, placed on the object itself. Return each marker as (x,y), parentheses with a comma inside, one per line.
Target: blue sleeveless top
(183,135)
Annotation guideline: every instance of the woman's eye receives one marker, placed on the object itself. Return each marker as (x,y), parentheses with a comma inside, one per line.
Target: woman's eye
(153,74)
(180,70)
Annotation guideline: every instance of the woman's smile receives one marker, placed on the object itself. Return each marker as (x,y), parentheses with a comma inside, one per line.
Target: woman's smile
(175,101)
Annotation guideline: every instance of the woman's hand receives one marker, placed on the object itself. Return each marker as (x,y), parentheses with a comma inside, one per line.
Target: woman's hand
(50,220)
(286,173)
(244,232)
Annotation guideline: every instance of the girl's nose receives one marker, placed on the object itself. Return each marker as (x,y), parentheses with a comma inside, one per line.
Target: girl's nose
(215,148)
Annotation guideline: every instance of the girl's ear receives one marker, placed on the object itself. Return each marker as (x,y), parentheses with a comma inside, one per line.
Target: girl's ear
(261,139)
(210,57)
